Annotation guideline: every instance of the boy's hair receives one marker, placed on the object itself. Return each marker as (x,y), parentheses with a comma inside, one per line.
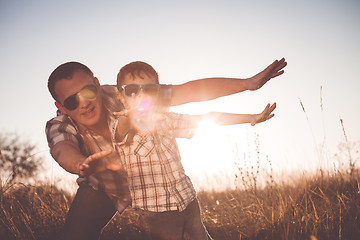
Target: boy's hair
(65,71)
(136,69)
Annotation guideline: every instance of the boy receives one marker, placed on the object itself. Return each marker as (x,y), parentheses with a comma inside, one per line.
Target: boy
(159,187)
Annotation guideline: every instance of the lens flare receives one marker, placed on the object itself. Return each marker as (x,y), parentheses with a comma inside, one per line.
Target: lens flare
(144,115)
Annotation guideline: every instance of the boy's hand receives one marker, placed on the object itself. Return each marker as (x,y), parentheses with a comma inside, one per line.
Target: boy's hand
(265,115)
(97,163)
(273,70)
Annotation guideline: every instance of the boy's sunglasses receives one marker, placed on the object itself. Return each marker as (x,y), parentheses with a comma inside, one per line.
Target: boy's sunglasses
(149,89)
(89,92)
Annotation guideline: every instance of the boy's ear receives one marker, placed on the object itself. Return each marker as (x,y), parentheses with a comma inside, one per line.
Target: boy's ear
(60,107)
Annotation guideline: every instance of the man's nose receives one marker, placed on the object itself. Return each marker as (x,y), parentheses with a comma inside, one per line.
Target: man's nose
(83,102)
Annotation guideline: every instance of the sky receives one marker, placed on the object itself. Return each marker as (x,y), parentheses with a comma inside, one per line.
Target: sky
(187,40)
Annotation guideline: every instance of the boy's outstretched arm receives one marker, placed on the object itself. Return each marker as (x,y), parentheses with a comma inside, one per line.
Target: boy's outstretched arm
(211,88)
(233,118)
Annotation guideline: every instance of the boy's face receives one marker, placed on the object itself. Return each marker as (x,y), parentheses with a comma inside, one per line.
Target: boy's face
(140,104)
(138,100)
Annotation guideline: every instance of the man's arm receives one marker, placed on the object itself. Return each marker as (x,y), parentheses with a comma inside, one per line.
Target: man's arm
(68,155)
(212,88)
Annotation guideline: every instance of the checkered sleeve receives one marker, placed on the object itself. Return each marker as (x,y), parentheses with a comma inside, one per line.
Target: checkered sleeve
(165,94)
(182,125)
(60,129)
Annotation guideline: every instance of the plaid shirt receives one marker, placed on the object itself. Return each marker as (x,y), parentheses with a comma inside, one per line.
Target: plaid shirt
(63,128)
(156,177)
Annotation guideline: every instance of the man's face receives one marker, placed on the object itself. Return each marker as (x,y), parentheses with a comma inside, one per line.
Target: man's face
(89,111)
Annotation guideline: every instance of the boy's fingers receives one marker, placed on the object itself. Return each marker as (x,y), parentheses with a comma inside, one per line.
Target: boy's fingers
(270,116)
(265,109)
(277,73)
(280,64)
(273,106)
(277,70)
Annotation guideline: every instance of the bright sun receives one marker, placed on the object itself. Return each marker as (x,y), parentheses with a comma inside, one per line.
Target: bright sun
(211,152)
(209,157)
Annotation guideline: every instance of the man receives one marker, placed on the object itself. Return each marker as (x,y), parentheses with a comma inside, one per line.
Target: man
(86,108)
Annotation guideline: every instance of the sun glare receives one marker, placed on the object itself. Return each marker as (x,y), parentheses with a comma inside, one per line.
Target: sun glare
(206,126)
(211,152)
(209,157)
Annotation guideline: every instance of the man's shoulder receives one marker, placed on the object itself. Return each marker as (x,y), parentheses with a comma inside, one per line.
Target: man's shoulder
(62,118)
(61,128)
(61,123)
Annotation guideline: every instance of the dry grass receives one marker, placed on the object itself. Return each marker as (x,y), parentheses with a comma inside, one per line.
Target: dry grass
(325,206)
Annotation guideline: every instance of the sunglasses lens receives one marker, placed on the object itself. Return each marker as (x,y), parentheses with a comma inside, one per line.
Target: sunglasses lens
(71,102)
(89,92)
(151,89)
(131,89)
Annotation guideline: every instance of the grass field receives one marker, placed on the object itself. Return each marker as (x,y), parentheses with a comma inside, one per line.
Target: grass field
(321,206)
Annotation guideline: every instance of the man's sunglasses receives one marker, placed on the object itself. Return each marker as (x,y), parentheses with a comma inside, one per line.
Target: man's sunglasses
(89,92)
(149,89)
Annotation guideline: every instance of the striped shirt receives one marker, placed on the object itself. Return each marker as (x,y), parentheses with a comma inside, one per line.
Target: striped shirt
(156,177)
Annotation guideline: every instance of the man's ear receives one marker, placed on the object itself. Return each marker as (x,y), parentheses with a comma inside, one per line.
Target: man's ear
(60,107)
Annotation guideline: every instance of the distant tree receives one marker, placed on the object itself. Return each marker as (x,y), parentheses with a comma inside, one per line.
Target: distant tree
(18,159)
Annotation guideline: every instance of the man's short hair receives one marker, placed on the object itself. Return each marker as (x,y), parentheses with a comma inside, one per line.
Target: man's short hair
(65,71)
(136,69)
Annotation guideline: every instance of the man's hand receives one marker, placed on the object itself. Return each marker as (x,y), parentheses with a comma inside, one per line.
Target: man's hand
(265,115)
(97,163)
(273,70)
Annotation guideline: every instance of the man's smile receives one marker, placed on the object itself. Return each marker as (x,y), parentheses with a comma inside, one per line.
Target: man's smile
(89,111)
